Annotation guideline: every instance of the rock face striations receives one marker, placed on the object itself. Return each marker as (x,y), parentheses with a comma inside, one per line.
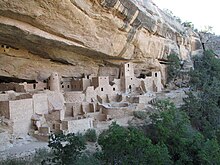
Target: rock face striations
(73,37)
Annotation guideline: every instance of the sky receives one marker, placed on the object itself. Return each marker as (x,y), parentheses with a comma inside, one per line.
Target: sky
(200,12)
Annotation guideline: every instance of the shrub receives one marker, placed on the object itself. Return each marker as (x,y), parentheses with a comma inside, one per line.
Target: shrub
(140,114)
(172,127)
(210,152)
(173,67)
(66,148)
(91,135)
(203,106)
(41,155)
(129,146)
(87,159)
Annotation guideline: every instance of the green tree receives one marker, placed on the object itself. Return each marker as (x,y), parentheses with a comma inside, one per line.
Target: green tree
(210,152)
(66,148)
(91,135)
(206,70)
(203,105)
(173,68)
(129,146)
(172,127)
(87,159)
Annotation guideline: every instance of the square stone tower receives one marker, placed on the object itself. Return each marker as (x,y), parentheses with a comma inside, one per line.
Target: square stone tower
(127,77)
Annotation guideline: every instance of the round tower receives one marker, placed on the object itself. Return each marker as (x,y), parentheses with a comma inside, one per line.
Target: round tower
(54,82)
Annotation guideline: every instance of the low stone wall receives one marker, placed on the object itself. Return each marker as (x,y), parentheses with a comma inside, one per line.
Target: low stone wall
(74,126)
(117,112)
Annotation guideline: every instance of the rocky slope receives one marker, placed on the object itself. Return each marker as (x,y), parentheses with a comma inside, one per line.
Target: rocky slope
(210,42)
(77,36)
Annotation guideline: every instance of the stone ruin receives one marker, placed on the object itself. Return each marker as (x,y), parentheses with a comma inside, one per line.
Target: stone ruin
(70,104)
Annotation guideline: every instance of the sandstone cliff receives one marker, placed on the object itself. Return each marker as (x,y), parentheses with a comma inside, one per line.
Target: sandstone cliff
(77,36)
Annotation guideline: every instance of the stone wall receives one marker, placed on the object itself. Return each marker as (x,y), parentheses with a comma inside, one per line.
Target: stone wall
(21,112)
(75,126)
(74,97)
(40,103)
(117,112)
(55,100)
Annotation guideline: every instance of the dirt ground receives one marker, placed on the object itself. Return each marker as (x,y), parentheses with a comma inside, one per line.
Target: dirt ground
(22,150)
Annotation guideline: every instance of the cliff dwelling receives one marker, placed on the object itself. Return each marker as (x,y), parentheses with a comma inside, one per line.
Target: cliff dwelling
(71,104)
(82,67)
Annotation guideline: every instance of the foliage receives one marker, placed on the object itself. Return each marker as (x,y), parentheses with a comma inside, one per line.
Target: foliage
(91,135)
(207,70)
(189,135)
(188,24)
(210,152)
(140,114)
(40,155)
(66,148)
(129,146)
(87,159)
(171,139)
(173,67)
(164,105)
(172,127)
(203,107)
(191,106)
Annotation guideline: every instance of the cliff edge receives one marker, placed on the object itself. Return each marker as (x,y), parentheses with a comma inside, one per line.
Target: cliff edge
(73,37)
